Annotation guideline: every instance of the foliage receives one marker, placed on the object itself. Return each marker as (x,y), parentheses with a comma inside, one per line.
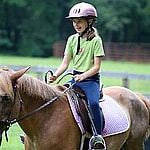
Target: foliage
(30,28)
(123,21)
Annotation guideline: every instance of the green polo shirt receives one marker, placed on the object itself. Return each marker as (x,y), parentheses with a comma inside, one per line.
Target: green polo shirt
(88,50)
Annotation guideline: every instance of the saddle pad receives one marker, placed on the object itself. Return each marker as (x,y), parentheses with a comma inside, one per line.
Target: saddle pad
(75,114)
(116,120)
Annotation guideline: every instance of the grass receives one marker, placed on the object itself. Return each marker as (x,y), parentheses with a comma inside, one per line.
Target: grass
(14,142)
(15,60)
(124,66)
(139,68)
(142,86)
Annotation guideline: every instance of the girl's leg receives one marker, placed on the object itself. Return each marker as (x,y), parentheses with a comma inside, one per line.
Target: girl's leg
(91,90)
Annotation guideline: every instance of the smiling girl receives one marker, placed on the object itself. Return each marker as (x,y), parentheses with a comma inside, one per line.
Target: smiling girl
(86,50)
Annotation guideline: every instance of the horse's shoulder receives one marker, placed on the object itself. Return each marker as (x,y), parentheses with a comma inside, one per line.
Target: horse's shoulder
(60,87)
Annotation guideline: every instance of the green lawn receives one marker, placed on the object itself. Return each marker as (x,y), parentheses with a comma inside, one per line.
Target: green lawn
(142,86)
(14,142)
(119,66)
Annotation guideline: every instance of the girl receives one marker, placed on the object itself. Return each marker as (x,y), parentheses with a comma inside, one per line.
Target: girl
(86,51)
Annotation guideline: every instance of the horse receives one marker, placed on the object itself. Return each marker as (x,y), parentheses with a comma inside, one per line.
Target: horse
(43,113)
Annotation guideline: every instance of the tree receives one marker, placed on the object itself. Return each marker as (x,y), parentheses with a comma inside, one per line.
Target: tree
(31,28)
(9,25)
(34,26)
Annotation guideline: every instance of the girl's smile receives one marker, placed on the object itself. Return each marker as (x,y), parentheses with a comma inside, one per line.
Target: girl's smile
(79,24)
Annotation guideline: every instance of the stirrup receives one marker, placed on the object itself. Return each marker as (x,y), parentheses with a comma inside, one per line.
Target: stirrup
(97,143)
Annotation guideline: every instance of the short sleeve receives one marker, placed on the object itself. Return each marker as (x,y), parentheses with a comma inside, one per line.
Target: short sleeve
(98,47)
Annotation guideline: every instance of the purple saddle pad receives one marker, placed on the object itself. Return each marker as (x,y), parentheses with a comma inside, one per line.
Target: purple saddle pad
(116,120)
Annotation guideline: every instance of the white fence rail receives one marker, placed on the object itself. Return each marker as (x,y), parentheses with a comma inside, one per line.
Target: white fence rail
(43,69)
(40,70)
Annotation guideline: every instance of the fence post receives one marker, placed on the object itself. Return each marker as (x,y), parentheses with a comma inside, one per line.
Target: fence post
(126,82)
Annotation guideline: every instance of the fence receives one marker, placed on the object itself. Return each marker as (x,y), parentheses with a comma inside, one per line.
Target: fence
(40,70)
(134,52)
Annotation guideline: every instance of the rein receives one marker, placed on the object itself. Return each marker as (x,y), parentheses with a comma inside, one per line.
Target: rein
(51,74)
(8,122)
(39,108)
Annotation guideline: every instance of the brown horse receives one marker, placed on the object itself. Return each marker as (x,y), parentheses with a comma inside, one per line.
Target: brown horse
(53,127)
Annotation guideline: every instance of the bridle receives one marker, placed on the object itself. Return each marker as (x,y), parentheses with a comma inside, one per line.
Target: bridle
(9,122)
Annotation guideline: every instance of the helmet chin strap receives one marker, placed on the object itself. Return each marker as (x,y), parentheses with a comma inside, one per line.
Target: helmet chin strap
(89,28)
(81,35)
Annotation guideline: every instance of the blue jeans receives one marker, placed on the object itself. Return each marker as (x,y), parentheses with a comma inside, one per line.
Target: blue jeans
(91,88)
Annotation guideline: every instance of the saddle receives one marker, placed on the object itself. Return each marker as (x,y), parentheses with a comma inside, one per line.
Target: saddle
(115,118)
(81,104)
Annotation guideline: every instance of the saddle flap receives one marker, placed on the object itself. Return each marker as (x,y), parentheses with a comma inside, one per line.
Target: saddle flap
(79,102)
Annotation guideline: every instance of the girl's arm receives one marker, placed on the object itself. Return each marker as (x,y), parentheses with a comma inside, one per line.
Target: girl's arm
(62,68)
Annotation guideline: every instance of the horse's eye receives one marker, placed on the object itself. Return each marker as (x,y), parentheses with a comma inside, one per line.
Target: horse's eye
(5,98)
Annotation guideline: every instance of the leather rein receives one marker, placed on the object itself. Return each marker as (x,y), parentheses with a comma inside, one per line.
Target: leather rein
(9,122)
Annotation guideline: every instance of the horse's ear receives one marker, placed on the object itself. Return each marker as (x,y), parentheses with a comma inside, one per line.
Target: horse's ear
(15,76)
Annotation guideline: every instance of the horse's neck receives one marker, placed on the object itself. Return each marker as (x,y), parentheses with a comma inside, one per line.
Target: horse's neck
(34,94)
(52,121)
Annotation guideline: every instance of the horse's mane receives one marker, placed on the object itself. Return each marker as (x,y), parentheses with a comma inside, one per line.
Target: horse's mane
(36,88)
(27,84)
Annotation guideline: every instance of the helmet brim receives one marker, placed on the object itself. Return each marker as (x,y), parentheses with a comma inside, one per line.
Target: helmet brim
(71,17)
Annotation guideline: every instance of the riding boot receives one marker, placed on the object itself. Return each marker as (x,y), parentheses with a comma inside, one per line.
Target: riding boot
(96,141)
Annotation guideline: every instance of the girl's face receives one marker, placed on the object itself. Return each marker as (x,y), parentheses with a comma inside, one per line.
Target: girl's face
(79,24)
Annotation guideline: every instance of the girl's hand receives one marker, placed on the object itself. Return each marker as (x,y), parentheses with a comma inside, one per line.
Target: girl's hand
(78,77)
(52,79)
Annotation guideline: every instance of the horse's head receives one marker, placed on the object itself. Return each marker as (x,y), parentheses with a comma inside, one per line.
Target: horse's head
(8,87)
